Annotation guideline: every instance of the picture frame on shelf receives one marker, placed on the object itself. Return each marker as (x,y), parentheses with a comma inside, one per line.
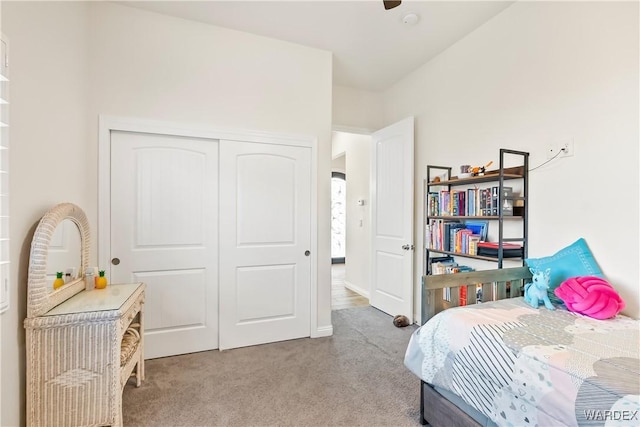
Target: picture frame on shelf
(479,227)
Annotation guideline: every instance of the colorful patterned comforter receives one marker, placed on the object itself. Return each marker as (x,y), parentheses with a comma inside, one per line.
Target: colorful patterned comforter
(521,366)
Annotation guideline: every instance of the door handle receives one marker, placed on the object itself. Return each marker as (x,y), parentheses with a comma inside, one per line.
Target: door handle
(407,247)
(115,261)
(307,253)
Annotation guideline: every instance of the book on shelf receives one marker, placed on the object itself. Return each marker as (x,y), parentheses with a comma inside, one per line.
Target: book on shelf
(453,198)
(462,294)
(474,239)
(455,236)
(507,201)
(447,265)
(444,202)
(433,205)
(509,250)
(479,227)
(486,202)
(438,264)
(462,241)
(443,267)
(462,202)
(470,202)
(472,207)
(466,238)
(439,232)
(494,201)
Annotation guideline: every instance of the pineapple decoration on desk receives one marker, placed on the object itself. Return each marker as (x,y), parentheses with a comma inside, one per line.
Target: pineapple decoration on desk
(59,282)
(101,280)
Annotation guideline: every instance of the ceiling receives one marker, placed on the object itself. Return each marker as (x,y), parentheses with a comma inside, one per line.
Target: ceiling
(372,47)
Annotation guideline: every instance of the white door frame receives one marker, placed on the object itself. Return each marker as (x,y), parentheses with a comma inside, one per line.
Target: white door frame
(107,124)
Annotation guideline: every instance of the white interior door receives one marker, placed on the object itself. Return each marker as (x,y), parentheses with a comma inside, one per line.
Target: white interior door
(265,233)
(164,194)
(392,219)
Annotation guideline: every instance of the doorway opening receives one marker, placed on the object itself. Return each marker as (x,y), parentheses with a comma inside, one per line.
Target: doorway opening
(338,217)
(350,230)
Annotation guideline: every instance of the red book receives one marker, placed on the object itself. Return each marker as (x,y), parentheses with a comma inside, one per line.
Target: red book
(494,245)
(463,295)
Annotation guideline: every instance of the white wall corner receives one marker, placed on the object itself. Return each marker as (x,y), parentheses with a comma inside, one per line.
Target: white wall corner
(357,289)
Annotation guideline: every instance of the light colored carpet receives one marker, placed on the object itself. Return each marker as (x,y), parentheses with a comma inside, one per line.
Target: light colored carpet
(354,378)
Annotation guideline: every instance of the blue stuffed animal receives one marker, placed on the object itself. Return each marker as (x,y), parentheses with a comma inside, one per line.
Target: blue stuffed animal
(535,292)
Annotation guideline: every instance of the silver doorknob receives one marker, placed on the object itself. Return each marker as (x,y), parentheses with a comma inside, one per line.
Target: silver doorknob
(407,247)
(307,253)
(115,261)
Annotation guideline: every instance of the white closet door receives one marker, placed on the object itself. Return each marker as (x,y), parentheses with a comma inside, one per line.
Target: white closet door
(265,233)
(164,219)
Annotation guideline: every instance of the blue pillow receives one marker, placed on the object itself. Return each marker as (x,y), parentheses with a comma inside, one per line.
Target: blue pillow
(574,260)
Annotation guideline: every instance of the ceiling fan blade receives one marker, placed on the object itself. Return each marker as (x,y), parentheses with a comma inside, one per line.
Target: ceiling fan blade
(391,4)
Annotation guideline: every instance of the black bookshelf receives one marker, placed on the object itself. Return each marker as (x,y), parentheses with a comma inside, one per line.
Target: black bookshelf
(499,176)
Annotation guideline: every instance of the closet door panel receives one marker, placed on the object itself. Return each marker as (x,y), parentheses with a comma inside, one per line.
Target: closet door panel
(164,232)
(265,233)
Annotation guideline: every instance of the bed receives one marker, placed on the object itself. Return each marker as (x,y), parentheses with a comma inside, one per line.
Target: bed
(502,362)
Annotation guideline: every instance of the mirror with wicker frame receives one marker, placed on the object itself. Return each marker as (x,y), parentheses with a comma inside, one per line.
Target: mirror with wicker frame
(41,297)
(64,257)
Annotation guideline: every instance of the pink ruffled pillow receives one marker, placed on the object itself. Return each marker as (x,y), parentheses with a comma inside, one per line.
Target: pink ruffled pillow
(591,296)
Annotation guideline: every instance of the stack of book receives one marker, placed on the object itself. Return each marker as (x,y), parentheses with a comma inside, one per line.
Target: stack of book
(455,236)
(447,265)
(470,202)
(468,238)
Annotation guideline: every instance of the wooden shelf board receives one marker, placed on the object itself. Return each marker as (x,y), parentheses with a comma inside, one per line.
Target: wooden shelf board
(486,258)
(507,217)
(474,179)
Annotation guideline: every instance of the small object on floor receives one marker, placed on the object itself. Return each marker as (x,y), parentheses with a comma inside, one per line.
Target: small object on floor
(401,321)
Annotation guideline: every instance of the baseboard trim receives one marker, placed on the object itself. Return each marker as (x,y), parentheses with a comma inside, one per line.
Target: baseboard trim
(323,331)
(357,289)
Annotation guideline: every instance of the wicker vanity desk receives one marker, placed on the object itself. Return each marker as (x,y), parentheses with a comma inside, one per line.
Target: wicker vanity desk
(82,353)
(82,344)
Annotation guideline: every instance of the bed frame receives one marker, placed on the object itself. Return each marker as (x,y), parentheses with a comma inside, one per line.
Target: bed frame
(495,284)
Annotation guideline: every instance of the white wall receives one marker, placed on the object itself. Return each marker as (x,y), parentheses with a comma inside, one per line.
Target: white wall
(357,149)
(49,151)
(72,61)
(339,164)
(183,71)
(537,73)
(356,109)
(1,316)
